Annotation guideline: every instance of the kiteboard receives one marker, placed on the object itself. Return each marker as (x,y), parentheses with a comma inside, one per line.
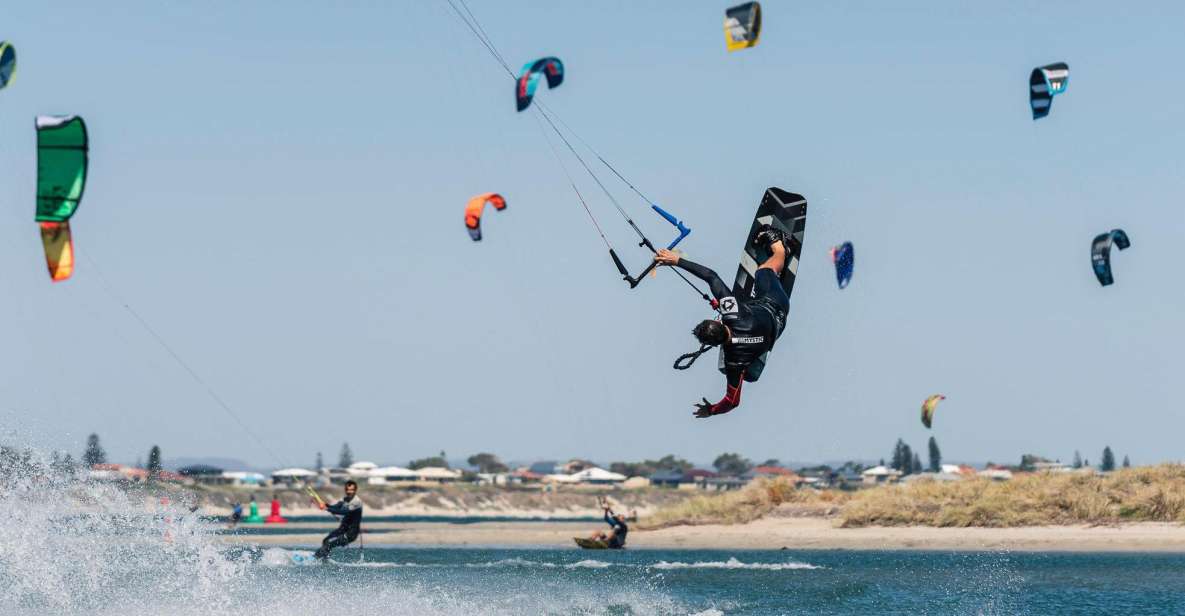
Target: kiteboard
(590,544)
(785,211)
(279,557)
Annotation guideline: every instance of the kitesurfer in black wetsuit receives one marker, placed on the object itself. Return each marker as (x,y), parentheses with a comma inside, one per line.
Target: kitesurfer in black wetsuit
(350,510)
(747,328)
(618,529)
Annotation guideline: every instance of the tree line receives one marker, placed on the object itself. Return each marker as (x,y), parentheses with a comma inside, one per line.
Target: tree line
(908,462)
(725,463)
(903,459)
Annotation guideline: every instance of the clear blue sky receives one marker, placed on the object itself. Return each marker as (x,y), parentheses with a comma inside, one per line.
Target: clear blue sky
(278,189)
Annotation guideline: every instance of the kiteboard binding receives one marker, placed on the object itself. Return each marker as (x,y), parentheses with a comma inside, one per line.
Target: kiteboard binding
(781,215)
(767,236)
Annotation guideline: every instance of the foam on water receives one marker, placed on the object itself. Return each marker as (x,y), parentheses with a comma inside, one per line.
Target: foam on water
(589,564)
(511,562)
(733,563)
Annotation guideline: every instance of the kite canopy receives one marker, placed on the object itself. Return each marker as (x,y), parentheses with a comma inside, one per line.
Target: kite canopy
(59,249)
(928,408)
(61,178)
(1046,82)
(844,258)
(524,88)
(742,26)
(7,63)
(1100,253)
(474,209)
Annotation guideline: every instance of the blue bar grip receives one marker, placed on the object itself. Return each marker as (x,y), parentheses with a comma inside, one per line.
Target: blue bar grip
(683,231)
(636,280)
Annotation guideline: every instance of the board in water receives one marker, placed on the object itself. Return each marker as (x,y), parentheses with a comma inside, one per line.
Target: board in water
(279,557)
(590,544)
(785,211)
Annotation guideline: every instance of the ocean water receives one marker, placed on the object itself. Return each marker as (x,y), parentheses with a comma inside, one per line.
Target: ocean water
(71,548)
(150,578)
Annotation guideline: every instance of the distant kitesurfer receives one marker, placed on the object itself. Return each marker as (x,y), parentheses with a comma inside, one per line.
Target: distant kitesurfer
(618,529)
(350,510)
(747,328)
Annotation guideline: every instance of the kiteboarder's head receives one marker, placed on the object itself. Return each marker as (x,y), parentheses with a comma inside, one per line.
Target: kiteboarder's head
(351,488)
(710,332)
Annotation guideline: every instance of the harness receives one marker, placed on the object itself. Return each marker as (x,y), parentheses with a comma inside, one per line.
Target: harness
(775,313)
(685,361)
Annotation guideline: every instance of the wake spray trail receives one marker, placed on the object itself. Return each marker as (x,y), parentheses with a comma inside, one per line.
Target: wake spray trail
(71,546)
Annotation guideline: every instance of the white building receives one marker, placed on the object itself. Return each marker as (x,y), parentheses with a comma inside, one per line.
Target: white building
(437,474)
(335,474)
(931,477)
(293,475)
(880,474)
(392,474)
(361,470)
(244,478)
(597,476)
(1051,467)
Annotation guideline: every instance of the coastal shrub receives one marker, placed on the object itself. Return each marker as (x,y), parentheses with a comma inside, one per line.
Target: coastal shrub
(1144,494)
(736,507)
(1147,494)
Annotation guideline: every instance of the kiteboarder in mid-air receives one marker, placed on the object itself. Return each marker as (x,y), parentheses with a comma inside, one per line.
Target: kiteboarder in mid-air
(350,510)
(747,328)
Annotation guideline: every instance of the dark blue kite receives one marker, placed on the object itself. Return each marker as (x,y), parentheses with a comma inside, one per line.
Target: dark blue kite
(1100,253)
(844,258)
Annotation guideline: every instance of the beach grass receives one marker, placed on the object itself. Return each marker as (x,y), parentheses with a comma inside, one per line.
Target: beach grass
(1143,494)
(754,501)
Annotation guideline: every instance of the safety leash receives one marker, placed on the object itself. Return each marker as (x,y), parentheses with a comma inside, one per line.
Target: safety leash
(691,357)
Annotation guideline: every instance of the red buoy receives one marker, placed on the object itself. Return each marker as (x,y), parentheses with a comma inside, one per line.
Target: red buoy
(275,517)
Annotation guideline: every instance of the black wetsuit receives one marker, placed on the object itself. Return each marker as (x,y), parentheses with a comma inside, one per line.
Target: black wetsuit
(754,325)
(350,509)
(620,530)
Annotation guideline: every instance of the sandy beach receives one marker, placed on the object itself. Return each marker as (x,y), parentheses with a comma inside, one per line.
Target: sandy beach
(768,533)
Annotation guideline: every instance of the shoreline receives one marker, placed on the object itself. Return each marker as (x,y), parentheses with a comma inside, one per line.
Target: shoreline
(764,534)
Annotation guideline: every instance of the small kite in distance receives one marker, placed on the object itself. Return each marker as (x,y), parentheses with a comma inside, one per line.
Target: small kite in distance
(742,26)
(62,147)
(844,258)
(474,209)
(1046,82)
(528,80)
(928,408)
(7,63)
(1100,253)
